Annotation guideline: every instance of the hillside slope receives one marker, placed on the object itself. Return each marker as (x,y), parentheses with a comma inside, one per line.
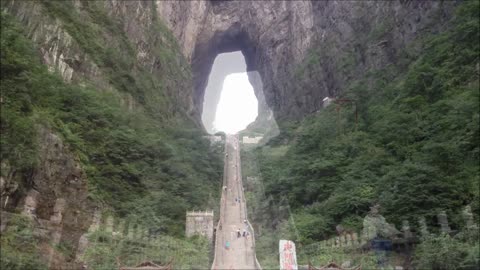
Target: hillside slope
(414,148)
(84,120)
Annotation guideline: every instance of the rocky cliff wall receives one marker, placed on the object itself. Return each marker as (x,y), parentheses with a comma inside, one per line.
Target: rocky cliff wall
(74,43)
(265,31)
(86,45)
(278,38)
(354,38)
(59,51)
(57,200)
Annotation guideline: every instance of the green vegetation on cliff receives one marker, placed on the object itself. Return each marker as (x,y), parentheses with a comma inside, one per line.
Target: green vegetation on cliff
(108,251)
(415,148)
(150,169)
(19,246)
(104,40)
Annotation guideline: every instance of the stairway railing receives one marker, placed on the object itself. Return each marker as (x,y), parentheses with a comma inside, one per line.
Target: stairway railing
(223,203)
(240,183)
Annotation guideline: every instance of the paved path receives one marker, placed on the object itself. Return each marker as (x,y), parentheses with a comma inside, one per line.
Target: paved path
(241,253)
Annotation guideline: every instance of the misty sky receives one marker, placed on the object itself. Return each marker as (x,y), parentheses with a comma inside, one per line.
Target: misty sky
(238,105)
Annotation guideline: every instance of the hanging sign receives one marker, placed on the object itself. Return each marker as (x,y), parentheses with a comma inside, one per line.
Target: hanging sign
(288,256)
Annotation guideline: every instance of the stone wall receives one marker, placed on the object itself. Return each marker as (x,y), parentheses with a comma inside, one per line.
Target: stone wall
(214,139)
(200,223)
(251,140)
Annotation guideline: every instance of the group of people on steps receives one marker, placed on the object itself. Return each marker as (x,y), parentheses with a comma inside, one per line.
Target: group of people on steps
(245,234)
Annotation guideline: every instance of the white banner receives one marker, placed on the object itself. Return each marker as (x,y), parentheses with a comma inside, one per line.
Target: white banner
(288,256)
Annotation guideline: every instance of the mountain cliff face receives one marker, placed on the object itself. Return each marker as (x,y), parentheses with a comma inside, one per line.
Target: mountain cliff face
(271,35)
(153,58)
(70,45)
(278,39)
(97,117)
(404,135)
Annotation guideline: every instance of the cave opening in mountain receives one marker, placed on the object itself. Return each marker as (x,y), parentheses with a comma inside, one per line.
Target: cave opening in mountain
(229,103)
(231,57)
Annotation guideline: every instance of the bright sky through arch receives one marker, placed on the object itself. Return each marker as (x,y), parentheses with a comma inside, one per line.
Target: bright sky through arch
(238,105)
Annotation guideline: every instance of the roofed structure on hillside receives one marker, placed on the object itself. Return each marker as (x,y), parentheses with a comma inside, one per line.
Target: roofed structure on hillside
(214,139)
(327,101)
(251,140)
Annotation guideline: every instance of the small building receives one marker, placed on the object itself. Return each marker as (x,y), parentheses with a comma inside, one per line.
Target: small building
(199,223)
(327,101)
(251,140)
(214,139)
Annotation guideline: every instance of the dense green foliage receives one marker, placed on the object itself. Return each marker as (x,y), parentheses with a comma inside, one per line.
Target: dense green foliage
(368,260)
(142,166)
(108,252)
(105,41)
(446,252)
(414,150)
(19,246)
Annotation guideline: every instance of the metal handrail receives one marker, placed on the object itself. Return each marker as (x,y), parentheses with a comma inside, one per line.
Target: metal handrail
(222,207)
(243,208)
(255,260)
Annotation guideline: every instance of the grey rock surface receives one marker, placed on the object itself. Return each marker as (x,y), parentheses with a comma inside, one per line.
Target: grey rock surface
(304,51)
(276,37)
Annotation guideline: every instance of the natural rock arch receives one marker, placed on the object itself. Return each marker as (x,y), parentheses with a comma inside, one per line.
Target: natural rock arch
(276,36)
(272,36)
(232,40)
